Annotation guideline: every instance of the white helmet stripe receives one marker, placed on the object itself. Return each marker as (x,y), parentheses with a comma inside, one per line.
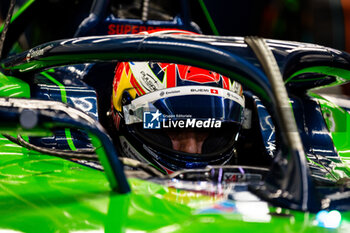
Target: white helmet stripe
(188,90)
(145,77)
(140,104)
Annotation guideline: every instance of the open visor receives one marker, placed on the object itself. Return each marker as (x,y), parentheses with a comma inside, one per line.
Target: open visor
(185,107)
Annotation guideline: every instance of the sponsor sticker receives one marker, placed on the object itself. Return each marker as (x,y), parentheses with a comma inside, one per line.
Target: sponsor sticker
(219,208)
(214,91)
(186,90)
(129,28)
(33,53)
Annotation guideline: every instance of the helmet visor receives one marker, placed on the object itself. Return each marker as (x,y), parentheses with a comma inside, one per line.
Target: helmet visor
(185,107)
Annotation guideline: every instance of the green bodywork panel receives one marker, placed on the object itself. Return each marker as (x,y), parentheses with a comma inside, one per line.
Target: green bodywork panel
(340,74)
(40,193)
(13,87)
(337,119)
(338,122)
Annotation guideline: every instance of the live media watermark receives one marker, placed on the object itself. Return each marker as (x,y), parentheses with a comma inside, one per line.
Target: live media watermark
(156,120)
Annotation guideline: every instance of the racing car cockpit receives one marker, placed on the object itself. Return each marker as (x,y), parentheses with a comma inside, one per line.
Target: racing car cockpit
(280,173)
(235,127)
(259,140)
(176,117)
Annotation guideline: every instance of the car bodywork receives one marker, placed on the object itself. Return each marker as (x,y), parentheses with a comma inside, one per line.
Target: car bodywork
(68,196)
(50,96)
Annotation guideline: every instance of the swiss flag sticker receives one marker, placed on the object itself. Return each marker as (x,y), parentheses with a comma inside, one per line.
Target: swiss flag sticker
(213,91)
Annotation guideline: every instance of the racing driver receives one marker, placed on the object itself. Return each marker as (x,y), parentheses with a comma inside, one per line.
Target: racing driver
(175,116)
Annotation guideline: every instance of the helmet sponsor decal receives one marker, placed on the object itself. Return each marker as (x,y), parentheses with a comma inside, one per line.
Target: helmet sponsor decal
(189,90)
(145,77)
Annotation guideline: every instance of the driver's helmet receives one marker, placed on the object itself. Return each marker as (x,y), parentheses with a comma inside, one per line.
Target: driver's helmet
(156,105)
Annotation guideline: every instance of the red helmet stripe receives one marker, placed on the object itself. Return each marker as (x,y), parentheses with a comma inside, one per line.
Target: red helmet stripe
(136,85)
(169,70)
(226,83)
